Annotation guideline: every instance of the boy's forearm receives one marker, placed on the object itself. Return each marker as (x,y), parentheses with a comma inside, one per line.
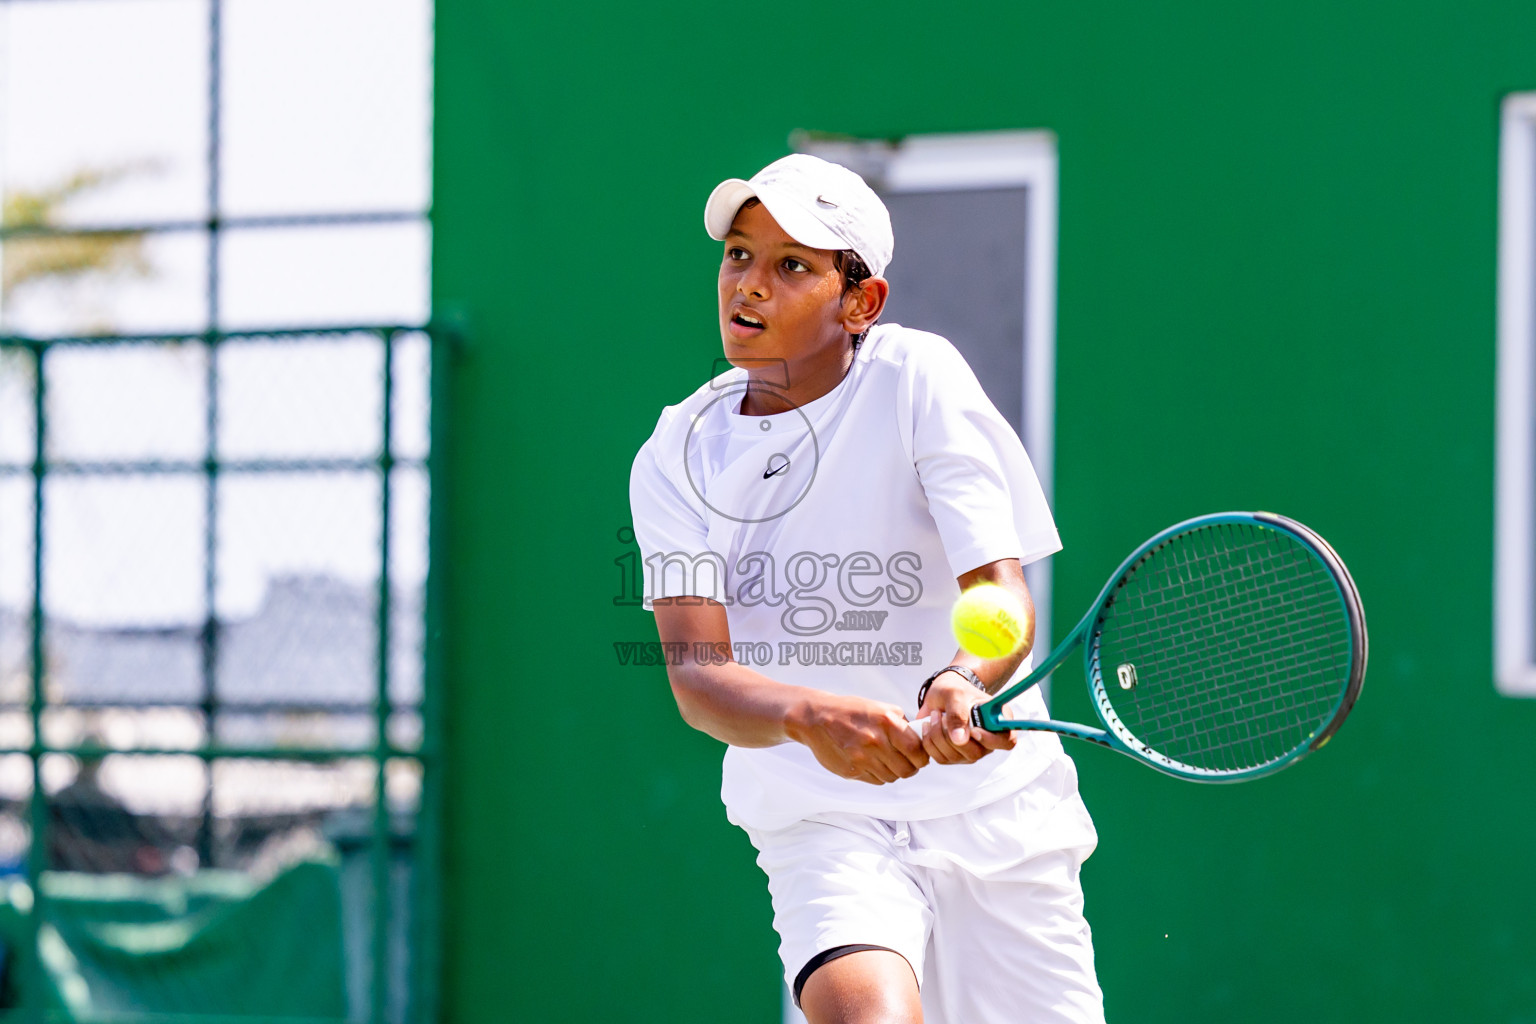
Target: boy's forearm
(852,737)
(737,705)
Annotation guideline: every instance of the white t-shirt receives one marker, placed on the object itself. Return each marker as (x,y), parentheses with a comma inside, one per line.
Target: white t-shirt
(833,534)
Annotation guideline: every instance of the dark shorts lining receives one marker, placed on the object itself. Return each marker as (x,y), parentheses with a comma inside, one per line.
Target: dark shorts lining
(826,956)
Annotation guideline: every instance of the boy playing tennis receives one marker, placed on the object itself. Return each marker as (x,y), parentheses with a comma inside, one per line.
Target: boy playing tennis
(807,519)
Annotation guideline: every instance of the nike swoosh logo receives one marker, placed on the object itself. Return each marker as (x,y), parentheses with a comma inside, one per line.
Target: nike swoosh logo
(777,470)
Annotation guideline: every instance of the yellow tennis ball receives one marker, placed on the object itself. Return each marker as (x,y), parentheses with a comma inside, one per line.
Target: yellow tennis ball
(989,621)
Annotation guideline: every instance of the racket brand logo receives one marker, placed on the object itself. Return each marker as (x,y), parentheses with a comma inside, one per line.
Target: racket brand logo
(1127,676)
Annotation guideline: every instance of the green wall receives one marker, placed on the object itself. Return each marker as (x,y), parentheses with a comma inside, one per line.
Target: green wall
(1277,261)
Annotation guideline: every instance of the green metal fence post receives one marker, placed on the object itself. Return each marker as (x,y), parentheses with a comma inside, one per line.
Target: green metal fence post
(209,639)
(37,853)
(380,850)
(444,337)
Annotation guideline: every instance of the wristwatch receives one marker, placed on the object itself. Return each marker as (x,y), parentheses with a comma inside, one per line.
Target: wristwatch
(959,670)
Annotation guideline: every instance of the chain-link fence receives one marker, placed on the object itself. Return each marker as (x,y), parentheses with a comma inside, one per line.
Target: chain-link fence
(217,759)
(217,762)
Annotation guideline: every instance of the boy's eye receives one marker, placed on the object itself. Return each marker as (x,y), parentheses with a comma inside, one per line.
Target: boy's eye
(736,253)
(796,266)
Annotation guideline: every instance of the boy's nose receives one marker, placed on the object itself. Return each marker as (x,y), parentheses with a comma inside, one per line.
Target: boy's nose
(753,283)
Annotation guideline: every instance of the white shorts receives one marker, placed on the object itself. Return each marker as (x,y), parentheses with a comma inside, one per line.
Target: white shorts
(986,905)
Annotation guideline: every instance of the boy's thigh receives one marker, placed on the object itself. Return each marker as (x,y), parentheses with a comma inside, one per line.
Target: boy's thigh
(1011,950)
(985,906)
(839,885)
(866,985)
(1010,941)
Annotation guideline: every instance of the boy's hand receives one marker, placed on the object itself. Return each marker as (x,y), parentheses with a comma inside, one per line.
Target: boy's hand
(859,739)
(949,737)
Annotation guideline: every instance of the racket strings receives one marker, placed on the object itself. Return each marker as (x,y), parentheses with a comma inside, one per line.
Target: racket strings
(1213,730)
(1208,698)
(1192,701)
(1238,644)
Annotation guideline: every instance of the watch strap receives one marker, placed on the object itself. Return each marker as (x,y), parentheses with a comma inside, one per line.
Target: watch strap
(959,670)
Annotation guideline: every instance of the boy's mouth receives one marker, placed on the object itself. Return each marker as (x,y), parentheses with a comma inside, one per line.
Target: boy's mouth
(743,324)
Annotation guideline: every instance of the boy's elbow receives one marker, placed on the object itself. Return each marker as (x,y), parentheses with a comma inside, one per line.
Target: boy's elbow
(685,693)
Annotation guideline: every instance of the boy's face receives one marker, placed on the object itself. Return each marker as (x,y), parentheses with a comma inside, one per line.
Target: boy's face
(779,299)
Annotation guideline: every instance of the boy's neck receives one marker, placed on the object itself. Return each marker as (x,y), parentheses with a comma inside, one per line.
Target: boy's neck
(766,396)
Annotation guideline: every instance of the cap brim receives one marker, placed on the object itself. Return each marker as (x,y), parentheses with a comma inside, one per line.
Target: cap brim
(798,223)
(720,209)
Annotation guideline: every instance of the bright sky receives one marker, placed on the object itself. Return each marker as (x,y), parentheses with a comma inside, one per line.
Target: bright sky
(326,108)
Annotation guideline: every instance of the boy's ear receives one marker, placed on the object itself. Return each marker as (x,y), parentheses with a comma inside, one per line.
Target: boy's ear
(863,306)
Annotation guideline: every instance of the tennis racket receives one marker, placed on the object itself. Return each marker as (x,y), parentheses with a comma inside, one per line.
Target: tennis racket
(1225,648)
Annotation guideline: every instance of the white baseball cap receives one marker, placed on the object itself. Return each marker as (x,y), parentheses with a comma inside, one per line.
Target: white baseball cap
(817,203)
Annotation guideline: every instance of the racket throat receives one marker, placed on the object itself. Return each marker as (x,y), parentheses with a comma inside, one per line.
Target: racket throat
(985,716)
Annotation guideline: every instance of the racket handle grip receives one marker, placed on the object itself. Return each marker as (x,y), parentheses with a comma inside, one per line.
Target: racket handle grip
(921,725)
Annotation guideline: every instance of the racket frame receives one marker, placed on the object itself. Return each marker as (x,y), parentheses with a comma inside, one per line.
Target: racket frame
(989,715)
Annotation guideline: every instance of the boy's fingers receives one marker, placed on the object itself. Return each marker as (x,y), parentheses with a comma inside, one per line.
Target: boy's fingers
(896,762)
(994,740)
(908,740)
(938,748)
(958,728)
(942,750)
(875,770)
